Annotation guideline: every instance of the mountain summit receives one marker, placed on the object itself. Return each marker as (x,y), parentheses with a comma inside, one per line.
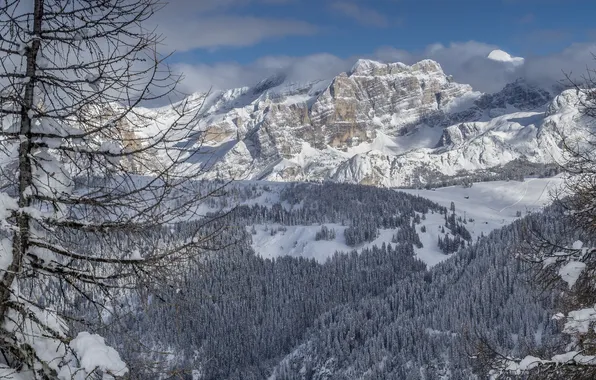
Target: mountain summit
(386,124)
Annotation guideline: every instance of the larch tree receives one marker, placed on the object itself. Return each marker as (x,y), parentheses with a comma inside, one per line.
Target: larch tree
(91,183)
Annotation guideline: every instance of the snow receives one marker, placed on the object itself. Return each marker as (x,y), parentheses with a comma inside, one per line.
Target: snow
(495,204)
(7,205)
(571,271)
(44,125)
(424,137)
(574,356)
(94,354)
(548,261)
(430,331)
(93,81)
(529,362)
(299,241)
(5,254)
(463,102)
(485,206)
(135,255)
(266,198)
(7,373)
(244,150)
(388,158)
(525,364)
(23,48)
(579,321)
(364,66)
(91,77)
(430,253)
(297,99)
(392,160)
(42,62)
(87,353)
(490,205)
(49,176)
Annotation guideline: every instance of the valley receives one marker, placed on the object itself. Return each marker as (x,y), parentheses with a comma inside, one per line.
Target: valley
(386,280)
(297,190)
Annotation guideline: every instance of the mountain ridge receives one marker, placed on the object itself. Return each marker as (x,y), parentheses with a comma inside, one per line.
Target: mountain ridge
(383,124)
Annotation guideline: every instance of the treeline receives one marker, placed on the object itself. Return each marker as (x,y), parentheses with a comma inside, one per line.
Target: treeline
(515,170)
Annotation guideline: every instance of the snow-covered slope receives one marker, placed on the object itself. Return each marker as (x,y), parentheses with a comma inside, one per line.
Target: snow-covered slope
(379,124)
(300,241)
(485,206)
(492,205)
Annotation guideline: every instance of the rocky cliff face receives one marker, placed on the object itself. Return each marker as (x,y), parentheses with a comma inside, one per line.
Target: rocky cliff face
(379,124)
(383,97)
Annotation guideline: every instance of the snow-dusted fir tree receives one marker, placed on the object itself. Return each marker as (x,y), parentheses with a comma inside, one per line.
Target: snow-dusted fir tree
(565,267)
(88,183)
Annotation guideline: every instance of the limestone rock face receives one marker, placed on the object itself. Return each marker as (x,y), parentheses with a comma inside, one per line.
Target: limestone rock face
(355,105)
(378,124)
(457,134)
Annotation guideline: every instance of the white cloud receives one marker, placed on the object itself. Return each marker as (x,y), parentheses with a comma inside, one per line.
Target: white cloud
(219,76)
(466,61)
(307,68)
(236,31)
(172,9)
(362,15)
(391,54)
(550,69)
(209,24)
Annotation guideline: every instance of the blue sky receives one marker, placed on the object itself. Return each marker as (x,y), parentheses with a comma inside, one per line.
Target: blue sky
(217,40)
(345,28)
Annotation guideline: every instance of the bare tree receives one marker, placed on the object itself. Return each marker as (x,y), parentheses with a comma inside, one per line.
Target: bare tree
(564,267)
(90,182)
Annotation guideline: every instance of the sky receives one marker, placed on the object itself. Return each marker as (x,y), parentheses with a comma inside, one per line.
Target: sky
(222,44)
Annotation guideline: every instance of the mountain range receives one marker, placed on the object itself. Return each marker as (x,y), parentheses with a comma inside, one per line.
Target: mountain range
(378,124)
(339,281)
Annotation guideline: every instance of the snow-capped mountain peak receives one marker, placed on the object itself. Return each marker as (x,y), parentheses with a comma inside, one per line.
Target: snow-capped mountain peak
(385,124)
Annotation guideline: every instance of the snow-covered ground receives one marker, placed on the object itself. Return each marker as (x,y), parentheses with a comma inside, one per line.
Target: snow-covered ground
(493,205)
(299,241)
(430,253)
(486,206)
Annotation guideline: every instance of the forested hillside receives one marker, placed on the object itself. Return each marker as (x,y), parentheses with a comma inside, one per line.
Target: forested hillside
(374,314)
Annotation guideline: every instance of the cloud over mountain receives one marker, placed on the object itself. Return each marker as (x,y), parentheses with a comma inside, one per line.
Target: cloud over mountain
(469,62)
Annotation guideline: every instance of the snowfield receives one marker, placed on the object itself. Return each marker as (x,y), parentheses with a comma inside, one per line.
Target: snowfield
(493,205)
(299,241)
(485,206)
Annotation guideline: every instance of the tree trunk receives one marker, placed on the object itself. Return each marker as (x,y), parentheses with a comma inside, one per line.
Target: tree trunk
(20,237)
